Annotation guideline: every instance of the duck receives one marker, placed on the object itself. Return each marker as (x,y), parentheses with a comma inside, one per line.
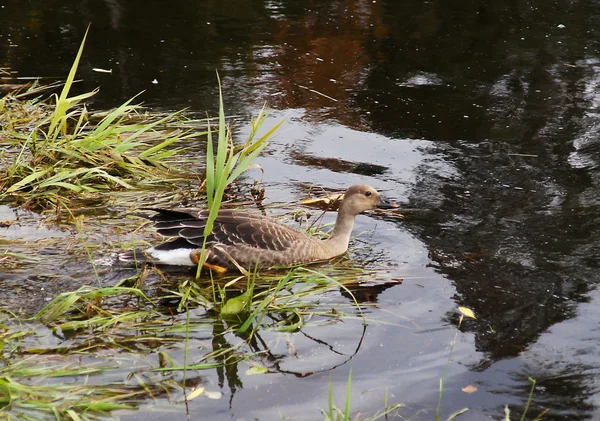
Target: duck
(242,240)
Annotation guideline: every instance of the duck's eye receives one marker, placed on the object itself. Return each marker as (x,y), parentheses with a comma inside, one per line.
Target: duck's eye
(368,193)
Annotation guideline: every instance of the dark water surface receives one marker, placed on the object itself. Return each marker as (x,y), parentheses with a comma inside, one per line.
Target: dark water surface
(480,117)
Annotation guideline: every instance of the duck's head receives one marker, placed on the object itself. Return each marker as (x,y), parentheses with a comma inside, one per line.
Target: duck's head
(361,197)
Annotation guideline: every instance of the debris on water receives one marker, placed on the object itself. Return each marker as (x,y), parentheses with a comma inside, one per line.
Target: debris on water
(319,202)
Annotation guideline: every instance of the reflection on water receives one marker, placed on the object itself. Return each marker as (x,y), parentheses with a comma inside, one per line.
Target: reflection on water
(480,118)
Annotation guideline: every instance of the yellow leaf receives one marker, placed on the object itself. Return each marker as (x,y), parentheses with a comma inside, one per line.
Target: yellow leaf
(329,203)
(195,393)
(326,200)
(467,312)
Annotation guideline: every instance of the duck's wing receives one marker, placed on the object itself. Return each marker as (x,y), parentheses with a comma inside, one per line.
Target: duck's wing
(230,228)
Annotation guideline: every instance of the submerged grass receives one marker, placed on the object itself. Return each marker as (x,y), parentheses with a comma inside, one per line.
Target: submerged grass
(49,383)
(142,342)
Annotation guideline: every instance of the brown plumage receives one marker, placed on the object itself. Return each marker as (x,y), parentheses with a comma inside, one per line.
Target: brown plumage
(241,240)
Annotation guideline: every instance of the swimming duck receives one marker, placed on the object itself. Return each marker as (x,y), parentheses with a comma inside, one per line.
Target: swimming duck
(240,240)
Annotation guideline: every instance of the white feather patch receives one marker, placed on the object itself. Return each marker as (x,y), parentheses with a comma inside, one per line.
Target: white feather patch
(178,257)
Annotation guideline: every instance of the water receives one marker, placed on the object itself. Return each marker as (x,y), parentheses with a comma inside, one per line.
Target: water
(481,119)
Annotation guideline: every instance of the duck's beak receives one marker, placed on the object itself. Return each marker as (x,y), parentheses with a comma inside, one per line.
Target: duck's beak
(386,203)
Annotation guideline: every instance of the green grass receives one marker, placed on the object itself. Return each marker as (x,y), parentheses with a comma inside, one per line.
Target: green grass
(333,413)
(60,151)
(538,417)
(40,380)
(229,162)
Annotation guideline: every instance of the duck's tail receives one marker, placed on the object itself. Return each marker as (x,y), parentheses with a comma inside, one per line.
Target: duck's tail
(170,253)
(135,256)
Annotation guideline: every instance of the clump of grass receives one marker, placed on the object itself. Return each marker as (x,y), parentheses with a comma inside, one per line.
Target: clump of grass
(62,150)
(335,413)
(538,417)
(229,162)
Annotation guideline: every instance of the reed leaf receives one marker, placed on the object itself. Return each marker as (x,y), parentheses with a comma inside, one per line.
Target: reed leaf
(27,180)
(227,165)
(63,103)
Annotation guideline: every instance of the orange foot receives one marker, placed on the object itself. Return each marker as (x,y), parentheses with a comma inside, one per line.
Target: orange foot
(219,270)
(195,258)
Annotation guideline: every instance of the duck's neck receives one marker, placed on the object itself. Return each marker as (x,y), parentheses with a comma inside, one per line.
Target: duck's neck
(340,237)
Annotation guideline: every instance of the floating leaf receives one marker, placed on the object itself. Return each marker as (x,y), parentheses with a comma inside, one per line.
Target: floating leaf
(467,312)
(195,393)
(469,389)
(255,369)
(213,395)
(238,304)
(320,201)
(5,395)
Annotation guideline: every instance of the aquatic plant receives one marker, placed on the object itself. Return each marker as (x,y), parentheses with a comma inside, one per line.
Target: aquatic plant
(61,150)
(538,417)
(229,162)
(131,340)
(334,413)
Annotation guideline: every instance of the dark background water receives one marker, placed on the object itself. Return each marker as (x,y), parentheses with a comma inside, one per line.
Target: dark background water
(480,117)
